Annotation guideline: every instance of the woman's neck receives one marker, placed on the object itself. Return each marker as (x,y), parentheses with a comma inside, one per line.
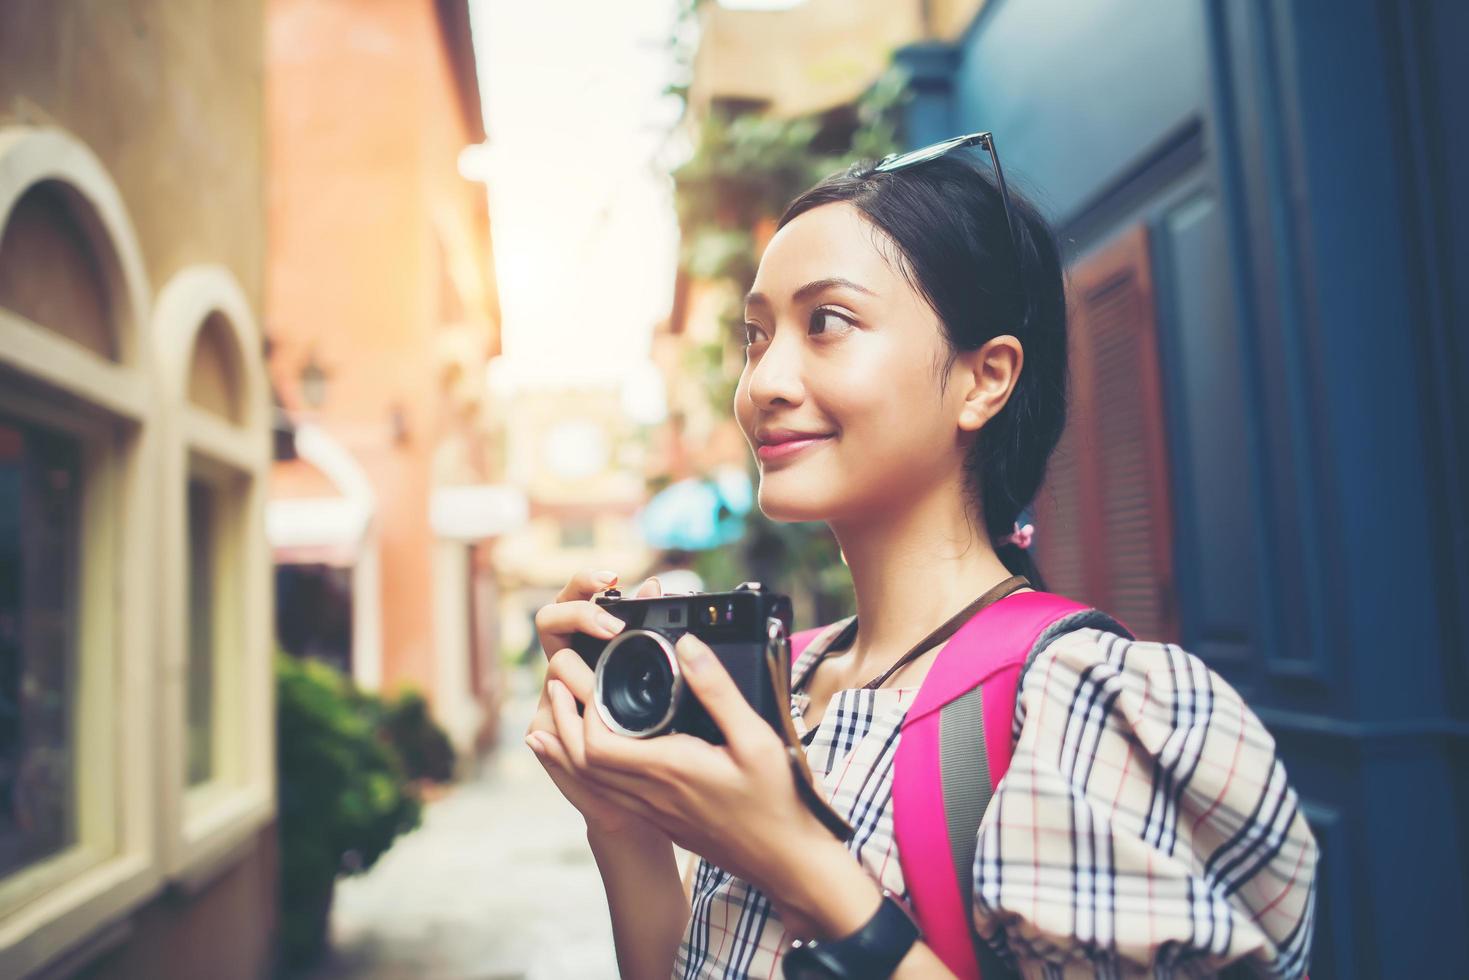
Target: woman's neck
(912,568)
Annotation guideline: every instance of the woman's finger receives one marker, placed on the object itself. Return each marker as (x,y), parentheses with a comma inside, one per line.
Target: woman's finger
(743,729)
(572,612)
(559,621)
(568,727)
(563,619)
(584,585)
(570,669)
(548,749)
(625,795)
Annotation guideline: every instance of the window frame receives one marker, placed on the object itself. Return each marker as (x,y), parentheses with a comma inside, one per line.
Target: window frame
(110,402)
(95,793)
(208,827)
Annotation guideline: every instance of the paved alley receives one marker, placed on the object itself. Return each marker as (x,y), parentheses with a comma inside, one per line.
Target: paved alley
(496,884)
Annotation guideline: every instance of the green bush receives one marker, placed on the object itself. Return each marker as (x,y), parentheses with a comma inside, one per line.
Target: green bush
(344,795)
(423,746)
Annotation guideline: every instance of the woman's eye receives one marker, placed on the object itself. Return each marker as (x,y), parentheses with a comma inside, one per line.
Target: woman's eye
(819,318)
(823,321)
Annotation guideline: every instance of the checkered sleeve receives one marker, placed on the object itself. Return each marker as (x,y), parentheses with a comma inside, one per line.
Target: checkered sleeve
(1145,827)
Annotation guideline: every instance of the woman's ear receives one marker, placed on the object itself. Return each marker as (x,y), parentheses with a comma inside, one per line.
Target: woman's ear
(987,376)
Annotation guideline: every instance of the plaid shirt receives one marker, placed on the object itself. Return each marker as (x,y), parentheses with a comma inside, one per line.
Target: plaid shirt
(1145,826)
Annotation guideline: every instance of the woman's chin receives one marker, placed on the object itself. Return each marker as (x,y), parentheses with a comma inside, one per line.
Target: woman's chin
(784,502)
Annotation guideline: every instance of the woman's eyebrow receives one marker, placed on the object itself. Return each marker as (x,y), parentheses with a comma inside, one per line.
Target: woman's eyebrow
(809,290)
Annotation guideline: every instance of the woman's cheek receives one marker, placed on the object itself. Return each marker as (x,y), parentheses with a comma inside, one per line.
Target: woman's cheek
(743,409)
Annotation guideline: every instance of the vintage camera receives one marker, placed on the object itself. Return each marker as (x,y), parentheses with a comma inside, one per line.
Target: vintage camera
(640,688)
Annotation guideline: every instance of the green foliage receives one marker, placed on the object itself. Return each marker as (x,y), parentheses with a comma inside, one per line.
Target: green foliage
(746,168)
(344,794)
(711,365)
(750,166)
(423,746)
(878,114)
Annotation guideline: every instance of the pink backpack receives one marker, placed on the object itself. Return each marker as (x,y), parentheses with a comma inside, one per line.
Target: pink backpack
(957,739)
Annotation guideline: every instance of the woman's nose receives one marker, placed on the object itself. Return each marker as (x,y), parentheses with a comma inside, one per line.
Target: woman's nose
(775,378)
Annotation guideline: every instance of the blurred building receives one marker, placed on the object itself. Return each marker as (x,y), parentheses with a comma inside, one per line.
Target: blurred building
(579,458)
(382,312)
(1267,226)
(804,58)
(137,803)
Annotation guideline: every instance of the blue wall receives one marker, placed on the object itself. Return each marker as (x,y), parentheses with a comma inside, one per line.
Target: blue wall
(1298,165)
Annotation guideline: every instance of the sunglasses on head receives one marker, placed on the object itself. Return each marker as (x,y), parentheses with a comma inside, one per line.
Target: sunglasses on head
(898,161)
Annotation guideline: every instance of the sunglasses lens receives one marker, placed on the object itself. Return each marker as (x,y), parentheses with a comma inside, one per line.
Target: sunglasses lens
(916,156)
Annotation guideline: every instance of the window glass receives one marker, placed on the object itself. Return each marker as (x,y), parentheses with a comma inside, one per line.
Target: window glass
(200,747)
(40,524)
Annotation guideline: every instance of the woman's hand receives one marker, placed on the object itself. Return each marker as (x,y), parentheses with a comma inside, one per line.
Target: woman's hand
(735,804)
(573,612)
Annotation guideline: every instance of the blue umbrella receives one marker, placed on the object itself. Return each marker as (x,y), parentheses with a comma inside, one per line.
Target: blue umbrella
(698,513)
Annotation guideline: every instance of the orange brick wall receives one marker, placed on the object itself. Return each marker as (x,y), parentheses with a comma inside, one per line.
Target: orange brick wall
(363,131)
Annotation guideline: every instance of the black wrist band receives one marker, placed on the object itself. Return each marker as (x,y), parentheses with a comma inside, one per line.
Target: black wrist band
(872,952)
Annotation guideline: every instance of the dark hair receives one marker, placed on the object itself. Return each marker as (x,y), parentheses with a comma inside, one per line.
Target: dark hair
(947,221)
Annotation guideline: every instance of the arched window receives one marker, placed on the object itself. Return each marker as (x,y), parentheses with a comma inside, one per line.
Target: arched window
(78,424)
(216,622)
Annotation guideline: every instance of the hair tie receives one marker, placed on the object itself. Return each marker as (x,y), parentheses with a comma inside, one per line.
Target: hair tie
(1020,537)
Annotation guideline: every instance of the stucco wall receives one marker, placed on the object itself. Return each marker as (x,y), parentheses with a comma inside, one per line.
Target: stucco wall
(169,97)
(378,261)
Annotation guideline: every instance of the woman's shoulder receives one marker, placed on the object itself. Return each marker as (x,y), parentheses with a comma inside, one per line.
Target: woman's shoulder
(1101,655)
(1160,755)
(1082,643)
(1157,693)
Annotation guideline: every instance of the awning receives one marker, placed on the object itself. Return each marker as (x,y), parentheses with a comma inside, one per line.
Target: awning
(330,526)
(477,511)
(698,513)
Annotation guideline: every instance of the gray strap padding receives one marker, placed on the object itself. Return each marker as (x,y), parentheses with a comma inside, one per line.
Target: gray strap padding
(964,767)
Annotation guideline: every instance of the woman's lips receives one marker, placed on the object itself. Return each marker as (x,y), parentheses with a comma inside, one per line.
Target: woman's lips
(785,450)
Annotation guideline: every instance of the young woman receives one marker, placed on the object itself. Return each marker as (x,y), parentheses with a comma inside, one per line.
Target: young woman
(905,382)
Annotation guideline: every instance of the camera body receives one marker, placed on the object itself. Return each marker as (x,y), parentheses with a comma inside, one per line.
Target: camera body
(640,689)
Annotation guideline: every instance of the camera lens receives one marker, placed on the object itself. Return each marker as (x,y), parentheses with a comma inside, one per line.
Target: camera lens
(637,683)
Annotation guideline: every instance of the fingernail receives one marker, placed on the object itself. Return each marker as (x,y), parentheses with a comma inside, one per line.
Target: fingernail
(555,688)
(604,578)
(610,622)
(654,580)
(535,744)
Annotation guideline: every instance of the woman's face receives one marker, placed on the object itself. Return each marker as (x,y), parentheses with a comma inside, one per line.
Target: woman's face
(843,351)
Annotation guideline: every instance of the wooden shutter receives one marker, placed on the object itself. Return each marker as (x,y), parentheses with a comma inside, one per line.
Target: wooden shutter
(1104,515)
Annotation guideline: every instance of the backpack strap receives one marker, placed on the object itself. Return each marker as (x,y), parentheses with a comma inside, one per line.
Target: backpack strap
(964,772)
(960,729)
(955,748)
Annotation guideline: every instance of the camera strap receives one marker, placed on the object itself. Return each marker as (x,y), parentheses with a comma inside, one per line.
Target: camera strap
(949,627)
(779,670)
